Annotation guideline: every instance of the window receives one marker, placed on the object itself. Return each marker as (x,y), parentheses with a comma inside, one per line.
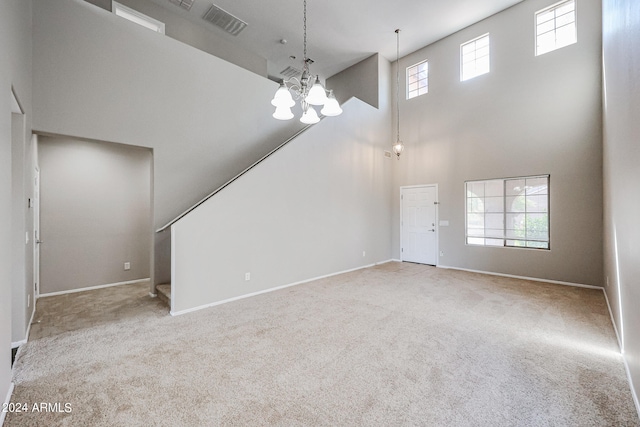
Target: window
(474,58)
(417,79)
(510,212)
(137,17)
(556,27)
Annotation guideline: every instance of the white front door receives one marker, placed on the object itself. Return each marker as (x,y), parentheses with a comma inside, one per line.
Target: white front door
(418,208)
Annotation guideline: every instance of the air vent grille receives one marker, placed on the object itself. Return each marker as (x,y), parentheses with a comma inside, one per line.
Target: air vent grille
(225,20)
(291,72)
(185,4)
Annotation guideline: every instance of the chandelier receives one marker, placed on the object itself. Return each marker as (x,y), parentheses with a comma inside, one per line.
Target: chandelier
(398,146)
(307,89)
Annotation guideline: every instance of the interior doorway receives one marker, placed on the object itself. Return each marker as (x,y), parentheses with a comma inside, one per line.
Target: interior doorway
(95,214)
(418,219)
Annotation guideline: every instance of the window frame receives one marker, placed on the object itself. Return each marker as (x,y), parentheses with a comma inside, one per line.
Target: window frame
(555,28)
(505,238)
(462,63)
(426,79)
(118,7)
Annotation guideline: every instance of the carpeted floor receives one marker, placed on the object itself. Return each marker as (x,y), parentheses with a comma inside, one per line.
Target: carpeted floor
(396,344)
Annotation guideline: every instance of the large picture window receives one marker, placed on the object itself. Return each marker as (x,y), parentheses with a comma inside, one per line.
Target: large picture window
(512,212)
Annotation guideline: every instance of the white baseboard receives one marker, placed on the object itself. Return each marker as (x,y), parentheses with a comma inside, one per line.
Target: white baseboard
(624,358)
(7,400)
(91,288)
(535,279)
(213,304)
(613,321)
(633,390)
(26,336)
(15,344)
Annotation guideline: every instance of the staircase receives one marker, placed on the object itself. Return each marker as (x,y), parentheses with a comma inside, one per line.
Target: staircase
(164,293)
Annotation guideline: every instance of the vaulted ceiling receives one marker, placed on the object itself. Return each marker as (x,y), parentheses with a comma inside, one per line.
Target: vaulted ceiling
(340,32)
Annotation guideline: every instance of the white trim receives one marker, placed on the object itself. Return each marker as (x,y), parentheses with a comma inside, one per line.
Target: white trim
(624,358)
(7,400)
(535,279)
(384,262)
(16,344)
(15,104)
(613,321)
(277,288)
(173,268)
(26,337)
(633,390)
(91,288)
(436,227)
(396,260)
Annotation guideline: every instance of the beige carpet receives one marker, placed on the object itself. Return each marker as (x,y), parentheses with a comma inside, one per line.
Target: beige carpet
(397,344)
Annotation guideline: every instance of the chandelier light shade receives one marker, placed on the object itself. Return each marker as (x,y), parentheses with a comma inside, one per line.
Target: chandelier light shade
(309,117)
(307,89)
(398,146)
(331,107)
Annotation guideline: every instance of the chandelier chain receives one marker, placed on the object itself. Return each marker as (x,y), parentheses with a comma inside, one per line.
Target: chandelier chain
(397,82)
(305,30)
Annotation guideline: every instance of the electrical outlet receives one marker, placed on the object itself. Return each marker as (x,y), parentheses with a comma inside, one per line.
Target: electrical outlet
(127,266)
(28,300)
(364,253)
(441,253)
(247,276)
(607,281)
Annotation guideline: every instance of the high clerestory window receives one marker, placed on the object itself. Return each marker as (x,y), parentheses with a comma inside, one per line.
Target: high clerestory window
(137,17)
(511,212)
(417,79)
(556,27)
(475,58)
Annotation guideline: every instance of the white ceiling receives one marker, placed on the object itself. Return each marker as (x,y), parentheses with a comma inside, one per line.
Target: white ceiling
(341,32)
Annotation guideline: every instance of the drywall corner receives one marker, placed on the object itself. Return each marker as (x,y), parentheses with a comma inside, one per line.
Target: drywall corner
(360,80)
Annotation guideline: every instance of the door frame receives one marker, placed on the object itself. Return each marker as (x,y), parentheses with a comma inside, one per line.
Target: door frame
(437,226)
(36,234)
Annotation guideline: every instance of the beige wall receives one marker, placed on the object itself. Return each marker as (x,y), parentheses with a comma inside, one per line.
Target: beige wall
(122,83)
(318,206)
(95,213)
(15,43)
(529,116)
(199,37)
(621,40)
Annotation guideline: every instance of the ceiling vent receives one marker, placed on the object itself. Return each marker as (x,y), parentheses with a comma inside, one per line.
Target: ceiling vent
(185,4)
(225,20)
(291,72)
